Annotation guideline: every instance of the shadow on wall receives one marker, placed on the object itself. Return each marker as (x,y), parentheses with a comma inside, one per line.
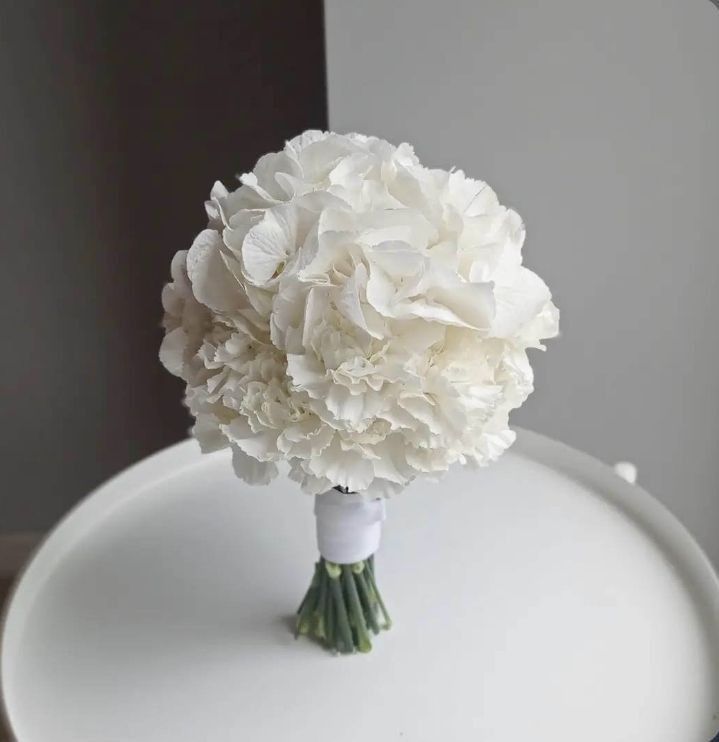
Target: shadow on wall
(117,118)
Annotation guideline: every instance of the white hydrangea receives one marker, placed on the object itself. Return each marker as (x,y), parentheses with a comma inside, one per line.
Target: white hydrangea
(357,314)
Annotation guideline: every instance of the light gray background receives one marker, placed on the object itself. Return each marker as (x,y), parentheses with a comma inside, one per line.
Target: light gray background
(598,122)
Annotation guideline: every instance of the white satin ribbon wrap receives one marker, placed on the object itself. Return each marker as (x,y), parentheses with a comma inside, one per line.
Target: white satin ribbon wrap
(349,527)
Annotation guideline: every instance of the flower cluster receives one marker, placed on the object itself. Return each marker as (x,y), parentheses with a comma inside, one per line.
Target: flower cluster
(356,314)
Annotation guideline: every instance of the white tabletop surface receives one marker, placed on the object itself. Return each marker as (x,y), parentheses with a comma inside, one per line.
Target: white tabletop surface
(541,599)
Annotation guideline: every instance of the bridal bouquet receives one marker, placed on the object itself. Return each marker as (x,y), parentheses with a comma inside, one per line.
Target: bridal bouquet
(365,319)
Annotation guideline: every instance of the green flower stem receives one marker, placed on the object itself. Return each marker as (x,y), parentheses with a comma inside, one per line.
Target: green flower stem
(378,596)
(343,621)
(342,606)
(321,615)
(306,609)
(369,605)
(331,634)
(362,640)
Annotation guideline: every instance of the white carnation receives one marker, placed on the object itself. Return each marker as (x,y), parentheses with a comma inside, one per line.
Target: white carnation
(356,314)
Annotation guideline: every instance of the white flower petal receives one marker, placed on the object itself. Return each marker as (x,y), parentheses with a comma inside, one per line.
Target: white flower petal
(347,469)
(519,302)
(208,434)
(251,470)
(357,314)
(212,284)
(265,249)
(172,351)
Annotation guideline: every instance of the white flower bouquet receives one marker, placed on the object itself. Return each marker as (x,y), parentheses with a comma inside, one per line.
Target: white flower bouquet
(366,320)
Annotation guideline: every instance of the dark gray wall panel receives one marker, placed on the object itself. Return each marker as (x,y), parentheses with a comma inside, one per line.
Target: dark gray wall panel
(115,119)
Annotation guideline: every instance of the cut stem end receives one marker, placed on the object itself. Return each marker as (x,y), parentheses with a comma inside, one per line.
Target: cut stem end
(343,607)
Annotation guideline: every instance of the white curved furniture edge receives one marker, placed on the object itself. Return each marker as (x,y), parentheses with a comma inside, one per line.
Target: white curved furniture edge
(644,510)
(72,525)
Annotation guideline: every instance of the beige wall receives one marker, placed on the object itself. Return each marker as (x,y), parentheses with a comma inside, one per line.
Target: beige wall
(599,123)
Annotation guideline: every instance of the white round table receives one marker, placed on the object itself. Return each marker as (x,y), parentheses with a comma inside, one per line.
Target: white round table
(542,599)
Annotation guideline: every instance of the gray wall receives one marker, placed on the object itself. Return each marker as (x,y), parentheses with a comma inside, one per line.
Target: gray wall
(115,120)
(598,122)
